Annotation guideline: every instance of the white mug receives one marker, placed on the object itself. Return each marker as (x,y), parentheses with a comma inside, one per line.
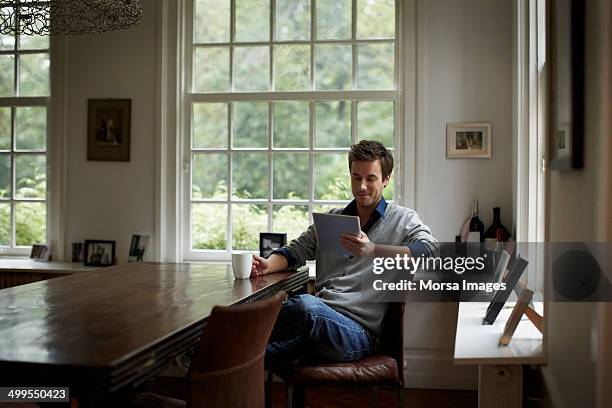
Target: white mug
(242,263)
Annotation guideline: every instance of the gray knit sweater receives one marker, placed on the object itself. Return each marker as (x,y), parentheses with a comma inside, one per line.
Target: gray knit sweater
(339,277)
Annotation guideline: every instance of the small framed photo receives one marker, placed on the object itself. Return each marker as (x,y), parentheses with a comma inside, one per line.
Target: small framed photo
(99,253)
(108,129)
(470,140)
(78,254)
(269,241)
(40,253)
(501,296)
(137,248)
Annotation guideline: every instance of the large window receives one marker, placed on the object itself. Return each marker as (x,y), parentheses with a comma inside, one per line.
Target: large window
(24,97)
(276,92)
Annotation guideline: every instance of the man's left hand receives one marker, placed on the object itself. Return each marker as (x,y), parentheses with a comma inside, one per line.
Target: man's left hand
(358,245)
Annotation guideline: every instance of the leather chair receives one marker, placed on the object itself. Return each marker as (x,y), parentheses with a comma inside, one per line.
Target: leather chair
(227,369)
(384,368)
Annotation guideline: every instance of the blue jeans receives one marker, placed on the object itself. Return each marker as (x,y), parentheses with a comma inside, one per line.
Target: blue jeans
(308,329)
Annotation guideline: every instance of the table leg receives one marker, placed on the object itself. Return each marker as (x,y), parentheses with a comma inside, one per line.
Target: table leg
(500,386)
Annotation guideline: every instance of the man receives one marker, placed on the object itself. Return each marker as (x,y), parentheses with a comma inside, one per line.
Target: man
(340,323)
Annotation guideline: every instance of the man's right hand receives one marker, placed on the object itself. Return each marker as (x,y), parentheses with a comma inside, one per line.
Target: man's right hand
(261,266)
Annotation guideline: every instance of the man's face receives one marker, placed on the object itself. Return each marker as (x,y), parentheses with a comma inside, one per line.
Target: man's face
(367,182)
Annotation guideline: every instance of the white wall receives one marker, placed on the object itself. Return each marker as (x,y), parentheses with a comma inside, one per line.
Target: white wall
(112,200)
(464,73)
(574,201)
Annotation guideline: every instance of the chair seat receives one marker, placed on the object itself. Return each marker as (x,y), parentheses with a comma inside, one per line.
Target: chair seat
(376,369)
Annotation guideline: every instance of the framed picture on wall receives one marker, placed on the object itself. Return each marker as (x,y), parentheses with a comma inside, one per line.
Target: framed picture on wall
(567,49)
(468,140)
(108,129)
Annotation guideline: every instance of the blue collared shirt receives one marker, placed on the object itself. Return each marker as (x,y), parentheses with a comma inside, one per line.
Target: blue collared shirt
(416,248)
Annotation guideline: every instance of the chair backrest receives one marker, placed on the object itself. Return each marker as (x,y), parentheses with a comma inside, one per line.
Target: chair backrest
(227,369)
(392,336)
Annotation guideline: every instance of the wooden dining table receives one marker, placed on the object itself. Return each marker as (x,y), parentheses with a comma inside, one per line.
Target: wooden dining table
(103,331)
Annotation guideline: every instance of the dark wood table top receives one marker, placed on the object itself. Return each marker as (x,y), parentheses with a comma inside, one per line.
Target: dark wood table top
(104,318)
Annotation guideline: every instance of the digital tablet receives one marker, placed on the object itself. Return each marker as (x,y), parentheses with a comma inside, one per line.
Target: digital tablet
(330,227)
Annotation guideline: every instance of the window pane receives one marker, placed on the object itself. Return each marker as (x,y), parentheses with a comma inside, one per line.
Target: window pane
(247,222)
(31,128)
(252,67)
(325,208)
(5,224)
(209,125)
(293,20)
(250,124)
(209,177)
(7,42)
(30,223)
(375,121)
(333,67)
(30,176)
(34,74)
(212,21)
(375,66)
(291,124)
(292,67)
(333,124)
(252,20)
(333,19)
(250,175)
(208,226)
(290,174)
(5,176)
(5,128)
(332,176)
(290,219)
(375,18)
(7,75)
(33,42)
(211,69)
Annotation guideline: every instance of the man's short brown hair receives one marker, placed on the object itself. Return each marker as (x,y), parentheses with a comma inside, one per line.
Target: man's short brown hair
(370,150)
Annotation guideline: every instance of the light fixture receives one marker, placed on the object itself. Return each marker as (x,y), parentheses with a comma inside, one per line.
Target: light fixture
(32,17)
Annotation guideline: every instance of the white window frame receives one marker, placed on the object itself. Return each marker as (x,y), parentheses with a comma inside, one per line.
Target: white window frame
(531,108)
(188,98)
(27,101)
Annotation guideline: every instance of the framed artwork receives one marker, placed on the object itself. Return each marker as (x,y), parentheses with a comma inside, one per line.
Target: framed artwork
(501,296)
(566,144)
(40,252)
(78,254)
(99,253)
(469,140)
(269,241)
(137,248)
(108,129)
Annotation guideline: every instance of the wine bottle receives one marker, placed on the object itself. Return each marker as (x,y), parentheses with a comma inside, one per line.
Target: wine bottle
(476,233)
(497,225)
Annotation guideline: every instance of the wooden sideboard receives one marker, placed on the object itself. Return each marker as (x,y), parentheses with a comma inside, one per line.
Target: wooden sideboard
(15,272)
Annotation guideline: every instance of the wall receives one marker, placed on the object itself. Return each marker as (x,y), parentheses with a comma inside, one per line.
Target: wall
(574,200)
(463,73)
(111,200)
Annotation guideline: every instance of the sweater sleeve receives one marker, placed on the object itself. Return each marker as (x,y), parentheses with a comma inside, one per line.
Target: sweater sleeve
(418,237)
(301,249)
